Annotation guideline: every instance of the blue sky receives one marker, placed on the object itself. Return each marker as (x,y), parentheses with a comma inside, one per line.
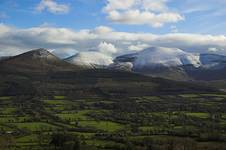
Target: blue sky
(158,18)
(200,17)
(22,13)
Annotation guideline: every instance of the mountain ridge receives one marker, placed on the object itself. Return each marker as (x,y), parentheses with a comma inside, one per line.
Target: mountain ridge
(176,64)
(168,63)
(36,60)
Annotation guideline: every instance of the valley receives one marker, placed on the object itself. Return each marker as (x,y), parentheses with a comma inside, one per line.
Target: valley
(193,121)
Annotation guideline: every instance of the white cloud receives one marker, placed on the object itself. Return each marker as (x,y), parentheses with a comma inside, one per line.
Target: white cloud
(212,49)
(118,4)
(215,49)
(4,29)
(107,48)
(138,47)
(209,7)
(155,5)
(138,17)
(15,40)
(138,12)
(102,30)
(52,7)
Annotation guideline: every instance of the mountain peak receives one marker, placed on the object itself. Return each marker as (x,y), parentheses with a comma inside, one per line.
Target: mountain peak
(168,57)
(90,59)
(163,50)
(40,50)
(38,59)
(40,53)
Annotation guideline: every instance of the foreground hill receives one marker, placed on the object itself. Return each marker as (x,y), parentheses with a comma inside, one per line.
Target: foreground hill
(39,60)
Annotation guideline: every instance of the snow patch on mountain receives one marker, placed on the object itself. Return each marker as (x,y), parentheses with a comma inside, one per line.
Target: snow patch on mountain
(150,58)
(42,54)
(90,59)
(166,57)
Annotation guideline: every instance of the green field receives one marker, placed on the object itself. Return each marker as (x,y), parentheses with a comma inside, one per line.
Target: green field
(101,125)
(80,115)
(132,122)
(198,115)
(34,126)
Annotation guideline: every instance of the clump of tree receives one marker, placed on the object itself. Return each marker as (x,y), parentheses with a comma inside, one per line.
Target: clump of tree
(65,141)
(6,142)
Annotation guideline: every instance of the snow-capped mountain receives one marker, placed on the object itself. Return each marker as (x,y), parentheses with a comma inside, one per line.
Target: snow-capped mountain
(166,57)
(172,63)
(170,57)
(90,59)
(156,57)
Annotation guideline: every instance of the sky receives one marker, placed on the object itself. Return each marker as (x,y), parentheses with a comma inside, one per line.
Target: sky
(112,27)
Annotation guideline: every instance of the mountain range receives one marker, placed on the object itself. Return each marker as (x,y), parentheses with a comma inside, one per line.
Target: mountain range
(41,72)
(170,63)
